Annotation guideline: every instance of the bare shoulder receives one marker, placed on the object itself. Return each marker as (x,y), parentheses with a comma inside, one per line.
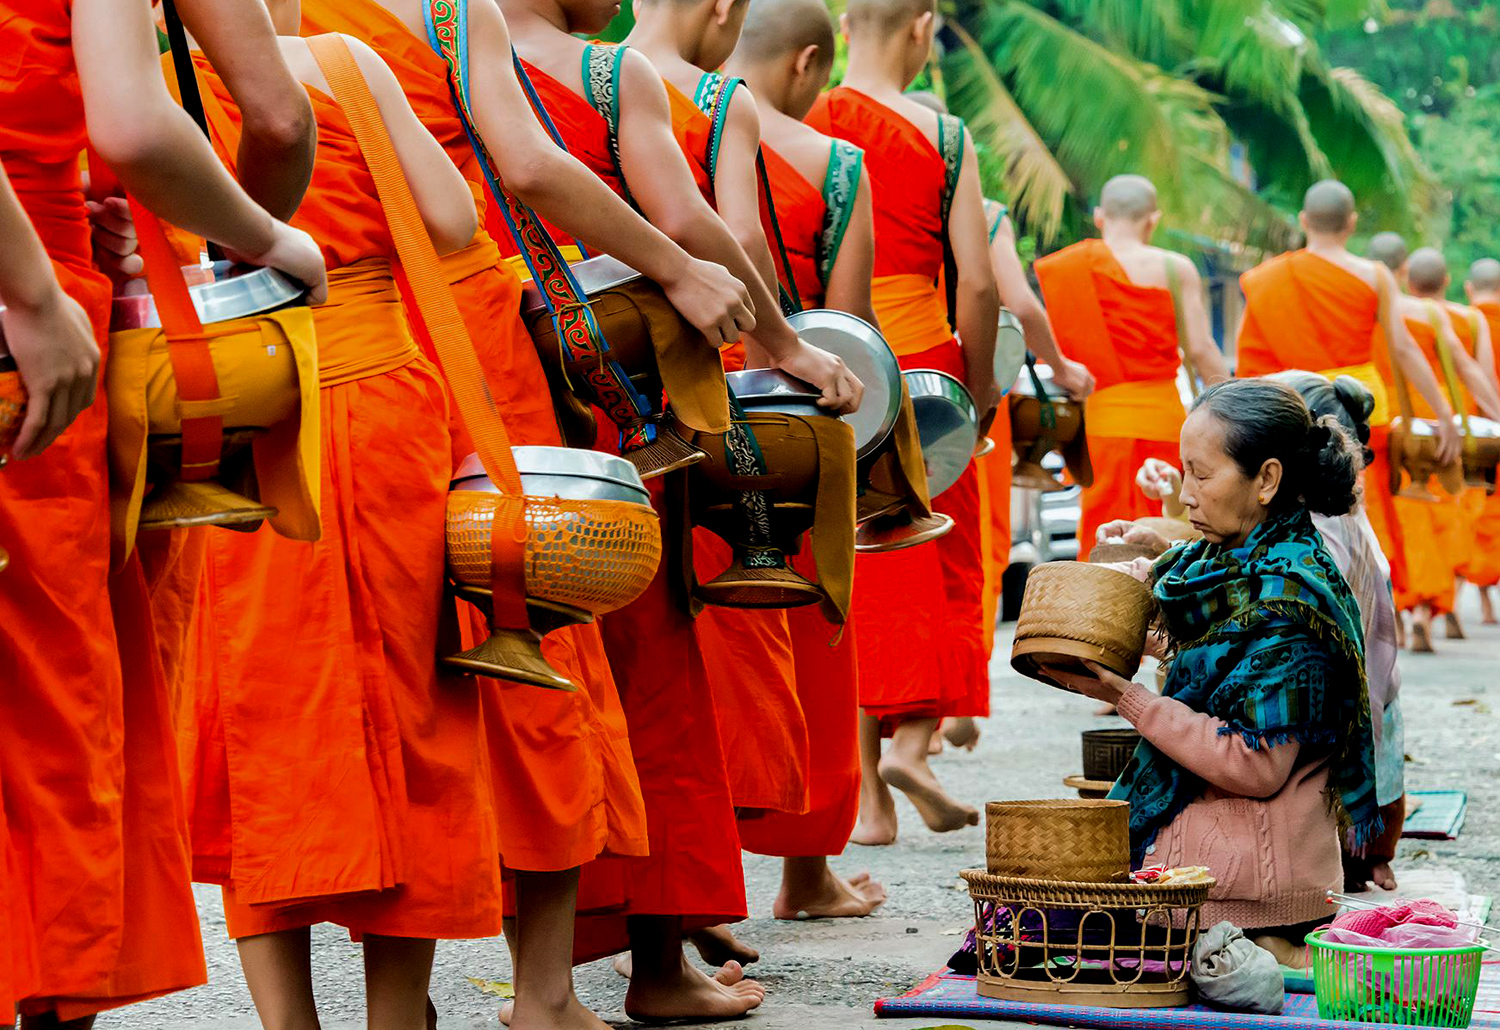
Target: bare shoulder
(1181,262)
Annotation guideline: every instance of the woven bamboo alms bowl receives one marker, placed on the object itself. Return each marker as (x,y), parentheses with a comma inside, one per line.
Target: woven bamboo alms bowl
(1118,945)
(1066,839)
(1107,752)
(1072,611)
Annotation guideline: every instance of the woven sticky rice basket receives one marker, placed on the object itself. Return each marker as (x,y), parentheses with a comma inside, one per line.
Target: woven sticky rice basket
(1072,611)
(1107,752)
(1116,945)
(1071,839)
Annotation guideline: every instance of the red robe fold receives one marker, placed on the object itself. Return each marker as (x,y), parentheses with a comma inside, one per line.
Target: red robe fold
(923,643)
(1303,311)
(95,908)
(546,822)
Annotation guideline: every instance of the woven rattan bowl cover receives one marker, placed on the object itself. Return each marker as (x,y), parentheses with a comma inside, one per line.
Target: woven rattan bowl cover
(1076,840)
(1073,611)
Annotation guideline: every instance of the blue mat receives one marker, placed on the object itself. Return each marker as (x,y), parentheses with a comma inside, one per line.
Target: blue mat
(948,995)
(1441,816)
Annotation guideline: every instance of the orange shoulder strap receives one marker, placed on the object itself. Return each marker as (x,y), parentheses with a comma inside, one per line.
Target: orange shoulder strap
(443,322)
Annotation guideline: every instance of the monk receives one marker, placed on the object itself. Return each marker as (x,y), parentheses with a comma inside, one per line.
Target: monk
(921,645)
(1482,287)
(1433,530)
(1132,313)
(97,909)
(1389,248)
(1322,309)
(826,225)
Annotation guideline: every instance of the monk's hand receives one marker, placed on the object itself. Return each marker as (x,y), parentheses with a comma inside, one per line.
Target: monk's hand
(1448,444)
(293,251)
(1074,379)
(54,348)
(841,388)
(113,233)
(1098,683)
(712,300)
(986,395)
(1160,481)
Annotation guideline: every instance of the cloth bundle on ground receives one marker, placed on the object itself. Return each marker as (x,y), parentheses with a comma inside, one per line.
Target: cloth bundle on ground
(1232,973)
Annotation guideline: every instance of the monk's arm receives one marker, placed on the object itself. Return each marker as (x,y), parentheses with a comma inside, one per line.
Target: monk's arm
(1205,354)
(1484,353)
(853,269)
(1017,295)
(45,330)
(159,155)
(978,298)
(279,133)
(737,184)
(1408,357)
(442,195)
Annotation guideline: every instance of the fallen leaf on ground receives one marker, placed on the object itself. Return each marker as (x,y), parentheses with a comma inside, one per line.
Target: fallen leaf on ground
(497,988)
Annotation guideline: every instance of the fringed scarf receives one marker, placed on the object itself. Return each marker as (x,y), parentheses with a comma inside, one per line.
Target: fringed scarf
(1267,638)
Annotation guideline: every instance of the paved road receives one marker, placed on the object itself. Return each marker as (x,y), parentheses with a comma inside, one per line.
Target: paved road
(827,974)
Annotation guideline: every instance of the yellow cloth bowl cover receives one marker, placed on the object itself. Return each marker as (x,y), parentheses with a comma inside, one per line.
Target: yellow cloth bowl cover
(267,368)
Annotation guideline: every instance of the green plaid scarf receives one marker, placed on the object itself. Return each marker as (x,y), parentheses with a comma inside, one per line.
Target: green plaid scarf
(1267,639)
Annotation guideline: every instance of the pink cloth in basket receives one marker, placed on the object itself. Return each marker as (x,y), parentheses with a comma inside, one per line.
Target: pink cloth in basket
(1415,924)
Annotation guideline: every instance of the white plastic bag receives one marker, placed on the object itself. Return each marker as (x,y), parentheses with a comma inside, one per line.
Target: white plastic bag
(1231,973)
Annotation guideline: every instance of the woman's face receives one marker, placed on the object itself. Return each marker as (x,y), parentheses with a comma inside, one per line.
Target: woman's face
(1223,503)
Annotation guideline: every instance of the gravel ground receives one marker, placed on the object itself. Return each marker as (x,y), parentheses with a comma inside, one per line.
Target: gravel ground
(827,974)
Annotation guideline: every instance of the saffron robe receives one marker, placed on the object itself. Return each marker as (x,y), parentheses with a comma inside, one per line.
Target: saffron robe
(330,755)
(95,906)
(1429,529)
(547,822)
(1126,334)
(1303,311)
(922,646)
(1484,563)
(1465,321)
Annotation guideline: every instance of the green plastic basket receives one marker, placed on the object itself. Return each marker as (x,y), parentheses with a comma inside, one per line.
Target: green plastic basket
(1400,986)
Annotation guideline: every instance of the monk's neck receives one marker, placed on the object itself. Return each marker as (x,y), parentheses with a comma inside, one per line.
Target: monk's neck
(1332,247)
(1125,239)
(878,69)
(770,93)
(670,39)
(1489,300)
(533,23)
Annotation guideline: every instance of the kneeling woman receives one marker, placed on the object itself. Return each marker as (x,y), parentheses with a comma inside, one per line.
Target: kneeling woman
(1260,746)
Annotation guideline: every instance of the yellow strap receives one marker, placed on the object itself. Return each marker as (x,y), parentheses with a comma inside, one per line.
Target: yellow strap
(1438,318)
(443,322)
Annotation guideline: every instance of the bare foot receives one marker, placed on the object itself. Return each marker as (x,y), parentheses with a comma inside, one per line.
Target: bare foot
(1421,637)
(689,994)
(1285,952)
(571,1016)
(1401,630)
(1382,875)
(940,812)
(961,731)
(718,945)
(1487,608)
(877,816)
(834,898)
(1454,630)
(621,964)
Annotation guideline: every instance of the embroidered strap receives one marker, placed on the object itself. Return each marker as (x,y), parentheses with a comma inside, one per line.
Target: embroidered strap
(601,83)
(951,147)
(1174,286)
(995,213)
(443,323)
(712,97)
(577,329)
(542,115)
(840,188)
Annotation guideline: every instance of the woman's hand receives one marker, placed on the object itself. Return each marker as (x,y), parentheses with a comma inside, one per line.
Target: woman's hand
(1156,645)
(1160,481)
(1103,685)
(1125,531)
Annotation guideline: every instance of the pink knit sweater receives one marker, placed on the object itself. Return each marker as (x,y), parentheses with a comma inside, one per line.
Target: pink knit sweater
(1262,825)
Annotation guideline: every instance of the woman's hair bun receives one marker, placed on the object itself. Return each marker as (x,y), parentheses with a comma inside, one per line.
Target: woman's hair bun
(1356,398)
(1331,468)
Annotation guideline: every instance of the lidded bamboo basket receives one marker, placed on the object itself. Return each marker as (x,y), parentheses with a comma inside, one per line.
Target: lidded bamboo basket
(1072,611)
(1070,839)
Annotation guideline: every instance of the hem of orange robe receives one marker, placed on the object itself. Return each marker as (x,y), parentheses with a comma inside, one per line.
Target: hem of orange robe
(637,847)
(71,1007)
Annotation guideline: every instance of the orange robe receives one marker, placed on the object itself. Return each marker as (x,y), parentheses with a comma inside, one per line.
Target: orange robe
(1127,336)
(547,822)
(923,650)
(1303,311)
(826,672)
(1471,502)
(1430,529)
(330,754)
(1484,564)
(95,906)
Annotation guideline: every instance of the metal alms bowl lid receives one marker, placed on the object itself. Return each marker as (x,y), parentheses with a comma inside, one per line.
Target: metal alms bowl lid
(235,291)
(947,423)
(770,389)
(569,472)
(593,275)
(1010,350)
(1481,428)
(1024,386)
(869,357)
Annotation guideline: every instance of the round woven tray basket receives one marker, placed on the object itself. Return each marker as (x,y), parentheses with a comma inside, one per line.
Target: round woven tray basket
(1119,945)
(1076,611)
(1068,839)
(1107,752)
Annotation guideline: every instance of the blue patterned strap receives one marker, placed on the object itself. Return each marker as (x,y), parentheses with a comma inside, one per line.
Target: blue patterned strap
(602,65)
(840,188)
(542,115)
(712,97)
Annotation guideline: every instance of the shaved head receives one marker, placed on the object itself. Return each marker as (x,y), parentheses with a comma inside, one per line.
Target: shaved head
(1484,275)
(1328,206)
(1129,198)
(886,16)
(1389,249)
(1426,271)
(777,28)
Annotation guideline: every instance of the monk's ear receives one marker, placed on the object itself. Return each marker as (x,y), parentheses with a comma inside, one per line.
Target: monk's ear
(1302,221)
(921,29)
(1152,221)
(1099,218)
(1469,291)
(844,26)
(722,10)
(1353,222)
